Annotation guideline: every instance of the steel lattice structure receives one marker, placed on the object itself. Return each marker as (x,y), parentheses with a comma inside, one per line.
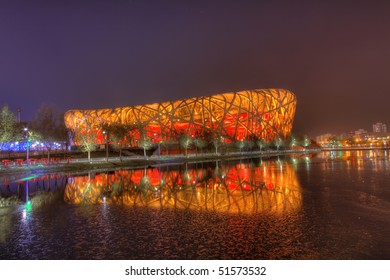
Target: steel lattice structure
(264,113)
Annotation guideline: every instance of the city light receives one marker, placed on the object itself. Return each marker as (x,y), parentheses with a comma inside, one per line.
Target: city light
(33,146)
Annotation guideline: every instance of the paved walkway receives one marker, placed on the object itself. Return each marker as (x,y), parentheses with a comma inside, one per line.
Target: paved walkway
(152,160)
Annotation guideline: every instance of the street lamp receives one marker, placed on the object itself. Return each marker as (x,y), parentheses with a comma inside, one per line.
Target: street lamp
(28,144)
(159,149)
(106,144)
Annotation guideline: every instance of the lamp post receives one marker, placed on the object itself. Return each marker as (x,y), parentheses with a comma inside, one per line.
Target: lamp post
(106,144)
(159,149)
(27,144)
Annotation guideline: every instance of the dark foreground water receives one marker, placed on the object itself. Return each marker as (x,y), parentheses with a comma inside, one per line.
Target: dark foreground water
(325,206)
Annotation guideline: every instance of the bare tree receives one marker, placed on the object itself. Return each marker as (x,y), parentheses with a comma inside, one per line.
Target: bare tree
(119,133)
(249,144)
(62,133)
(200,143)
(306,141)
(216,143)
(86,139)
(146,144)
(49,124)
(30,136)
(106,130)
(185,142)
(144,141)
(87,143)
(261,143)
(278,143)
(240,144)
(293,142)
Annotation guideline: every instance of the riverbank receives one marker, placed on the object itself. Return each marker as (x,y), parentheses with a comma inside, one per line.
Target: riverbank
(101,164)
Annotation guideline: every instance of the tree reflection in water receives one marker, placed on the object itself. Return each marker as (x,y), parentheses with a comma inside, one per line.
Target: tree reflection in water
(245,188)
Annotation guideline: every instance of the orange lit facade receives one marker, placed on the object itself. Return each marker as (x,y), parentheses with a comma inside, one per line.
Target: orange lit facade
(264,113)
(242,188)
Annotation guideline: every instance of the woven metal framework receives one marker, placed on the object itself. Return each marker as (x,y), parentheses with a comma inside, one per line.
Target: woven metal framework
(264,113)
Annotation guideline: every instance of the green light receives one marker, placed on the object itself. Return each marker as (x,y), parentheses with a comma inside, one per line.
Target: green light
(28,206)
(28,178)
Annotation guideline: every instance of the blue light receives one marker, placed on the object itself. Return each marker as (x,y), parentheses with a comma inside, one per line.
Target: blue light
(33,146)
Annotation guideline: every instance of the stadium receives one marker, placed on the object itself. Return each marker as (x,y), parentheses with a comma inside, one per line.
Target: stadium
(261,113)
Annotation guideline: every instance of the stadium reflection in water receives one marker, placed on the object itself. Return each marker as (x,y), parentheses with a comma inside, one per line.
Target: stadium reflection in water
(245,188)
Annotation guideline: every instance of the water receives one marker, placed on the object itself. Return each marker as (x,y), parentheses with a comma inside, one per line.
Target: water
(332,205)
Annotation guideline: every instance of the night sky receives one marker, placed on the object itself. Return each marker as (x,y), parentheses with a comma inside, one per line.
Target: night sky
(96,54)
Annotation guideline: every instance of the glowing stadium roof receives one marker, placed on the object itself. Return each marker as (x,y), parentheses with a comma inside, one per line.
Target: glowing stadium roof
(264,113)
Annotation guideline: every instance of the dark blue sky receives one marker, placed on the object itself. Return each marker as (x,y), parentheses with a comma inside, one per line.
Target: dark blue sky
(335,56)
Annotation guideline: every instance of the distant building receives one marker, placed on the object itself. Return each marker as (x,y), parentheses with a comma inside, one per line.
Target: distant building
(360,131)
(379,127)
(344,136)
(360,138)
(322,139)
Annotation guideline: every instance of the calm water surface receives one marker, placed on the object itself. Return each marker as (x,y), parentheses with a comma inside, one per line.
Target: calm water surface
(332,205)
